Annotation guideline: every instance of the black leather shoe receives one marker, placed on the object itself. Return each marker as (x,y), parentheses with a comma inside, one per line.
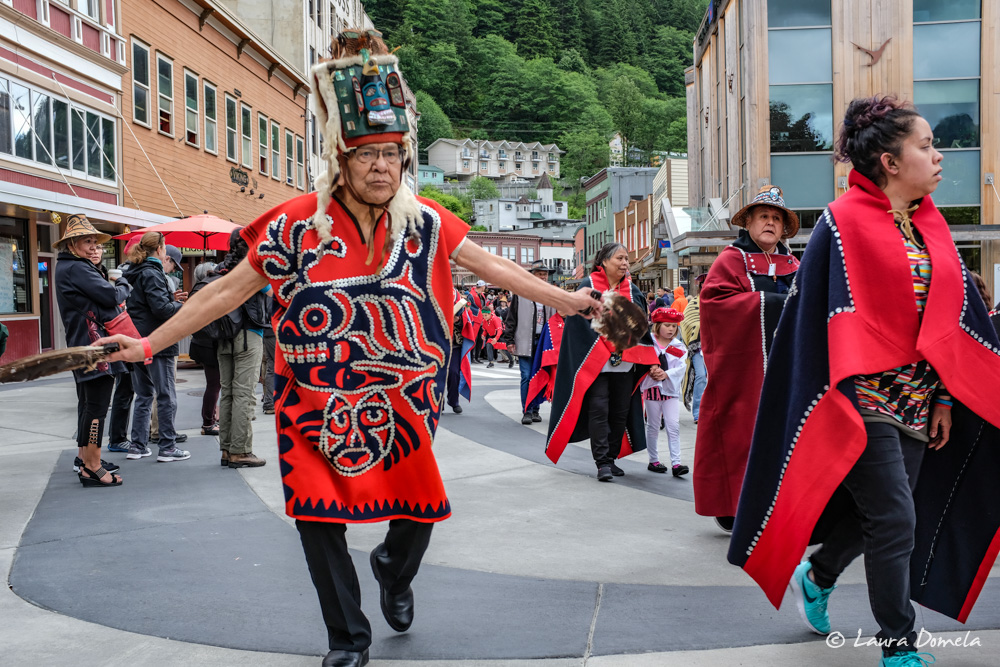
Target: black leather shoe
(616,471)
(339,658)
(457,409)
(679,470)
(397,609)
(604,474)
(526,419)
(535,417)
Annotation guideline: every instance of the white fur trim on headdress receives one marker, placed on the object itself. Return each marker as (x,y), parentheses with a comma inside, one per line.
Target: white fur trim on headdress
(404,209)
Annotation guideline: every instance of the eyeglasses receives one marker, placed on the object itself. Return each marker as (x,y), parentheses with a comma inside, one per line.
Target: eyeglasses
(369,155)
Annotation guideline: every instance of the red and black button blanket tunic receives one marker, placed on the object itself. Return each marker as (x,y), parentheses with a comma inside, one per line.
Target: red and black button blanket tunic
(361,360)
(852,312)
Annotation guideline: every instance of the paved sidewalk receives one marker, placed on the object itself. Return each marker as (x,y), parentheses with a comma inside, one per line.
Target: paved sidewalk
(190,563)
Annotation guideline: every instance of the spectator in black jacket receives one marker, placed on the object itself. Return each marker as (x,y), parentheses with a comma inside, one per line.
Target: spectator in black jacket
(205,350)
(150,305)
(522,330)
(86,300)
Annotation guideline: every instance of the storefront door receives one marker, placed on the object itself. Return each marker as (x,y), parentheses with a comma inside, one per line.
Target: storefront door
(45,296)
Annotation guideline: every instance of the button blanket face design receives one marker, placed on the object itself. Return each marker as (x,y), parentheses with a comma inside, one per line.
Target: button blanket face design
(372,347)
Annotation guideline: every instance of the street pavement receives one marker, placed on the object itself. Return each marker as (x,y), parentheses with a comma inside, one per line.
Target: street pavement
(190,563)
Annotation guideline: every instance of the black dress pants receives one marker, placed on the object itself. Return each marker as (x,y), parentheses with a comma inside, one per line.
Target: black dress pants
(609,398)
(121,408)
(94,399)
(881,482)
(454,372)
(336,580)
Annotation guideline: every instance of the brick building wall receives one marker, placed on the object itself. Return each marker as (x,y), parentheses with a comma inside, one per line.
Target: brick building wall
(201,56)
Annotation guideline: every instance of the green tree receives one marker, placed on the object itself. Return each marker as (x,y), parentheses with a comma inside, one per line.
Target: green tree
(586,154)
(434,124)
(572,61)
(676,141)
(481,187)
(605,78)
(450,202)
(626,107)
(672,52)
(533,28)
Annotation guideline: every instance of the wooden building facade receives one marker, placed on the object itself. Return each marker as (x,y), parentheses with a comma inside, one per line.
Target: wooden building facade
(772,78)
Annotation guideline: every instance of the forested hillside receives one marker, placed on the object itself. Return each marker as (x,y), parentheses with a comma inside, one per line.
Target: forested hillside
(566,71)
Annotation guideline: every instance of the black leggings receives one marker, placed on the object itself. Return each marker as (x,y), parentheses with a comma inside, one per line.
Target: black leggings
(95,398)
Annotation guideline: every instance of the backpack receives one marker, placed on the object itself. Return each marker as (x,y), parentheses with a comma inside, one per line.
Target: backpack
(223,328)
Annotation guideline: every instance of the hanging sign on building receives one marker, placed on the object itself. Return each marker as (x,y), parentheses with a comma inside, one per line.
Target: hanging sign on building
(238,176)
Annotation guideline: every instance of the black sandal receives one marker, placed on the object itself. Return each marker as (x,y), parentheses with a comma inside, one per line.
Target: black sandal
(90,477)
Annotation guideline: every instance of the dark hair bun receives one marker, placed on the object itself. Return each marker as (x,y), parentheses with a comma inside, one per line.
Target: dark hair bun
(873,126)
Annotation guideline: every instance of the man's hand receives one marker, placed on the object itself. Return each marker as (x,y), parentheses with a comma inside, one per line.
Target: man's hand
(940,427)
(512,349)
(582,303)
(129,349)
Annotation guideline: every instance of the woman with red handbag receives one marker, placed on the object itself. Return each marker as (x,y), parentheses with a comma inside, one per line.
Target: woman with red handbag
(87,299)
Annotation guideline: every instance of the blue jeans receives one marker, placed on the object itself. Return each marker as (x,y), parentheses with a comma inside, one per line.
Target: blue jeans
(881,483)
(524,365)
(700,380)
(155,381)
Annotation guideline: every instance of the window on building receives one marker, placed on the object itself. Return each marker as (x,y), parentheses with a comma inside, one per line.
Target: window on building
(534,155)
(232,149)
(165,93)
(140,83)
(946,88)
(509,252)
(211,122)
(300,165)
(534,166)
(801,100)
(492,249)
(191,122)
(262,135)
(527,255)
(483,166)
(47,130)
(91,8)
(15,295)
(275,151)
(507,207)
(289,157)
(246,135)
(465,164)
(503,166)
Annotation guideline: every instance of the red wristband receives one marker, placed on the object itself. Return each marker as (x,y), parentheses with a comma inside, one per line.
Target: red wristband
(147,351)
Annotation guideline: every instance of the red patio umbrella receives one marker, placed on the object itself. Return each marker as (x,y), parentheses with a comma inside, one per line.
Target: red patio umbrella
(205,232)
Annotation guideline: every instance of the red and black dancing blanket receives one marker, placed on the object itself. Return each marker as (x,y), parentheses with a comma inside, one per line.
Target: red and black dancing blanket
(740,305)
(582,354)
(851,312)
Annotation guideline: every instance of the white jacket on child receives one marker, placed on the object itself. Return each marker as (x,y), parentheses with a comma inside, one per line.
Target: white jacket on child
(675,367)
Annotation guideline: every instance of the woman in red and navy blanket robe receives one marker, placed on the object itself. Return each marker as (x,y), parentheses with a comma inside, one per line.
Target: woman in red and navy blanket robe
(857,425)
(740,304)
(595,392)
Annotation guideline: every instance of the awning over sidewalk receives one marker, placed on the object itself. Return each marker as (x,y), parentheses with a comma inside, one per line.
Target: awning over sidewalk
(36,198)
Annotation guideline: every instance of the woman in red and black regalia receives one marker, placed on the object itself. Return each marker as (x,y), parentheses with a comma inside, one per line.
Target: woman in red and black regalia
(364,324)
(870,435)
(595,387)
(740,304)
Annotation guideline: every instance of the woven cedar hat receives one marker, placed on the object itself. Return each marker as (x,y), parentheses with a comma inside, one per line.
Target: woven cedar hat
(769,195)
(359,100)
(77,225)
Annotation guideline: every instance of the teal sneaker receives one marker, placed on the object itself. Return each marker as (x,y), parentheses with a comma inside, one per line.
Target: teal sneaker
(908,660)
(811,599)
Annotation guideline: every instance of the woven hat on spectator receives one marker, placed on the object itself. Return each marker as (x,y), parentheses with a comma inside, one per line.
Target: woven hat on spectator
(668,315)
(769,195)
(77,225)
(360,100)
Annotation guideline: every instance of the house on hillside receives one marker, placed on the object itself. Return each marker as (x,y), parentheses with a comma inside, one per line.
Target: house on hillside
(501,161)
